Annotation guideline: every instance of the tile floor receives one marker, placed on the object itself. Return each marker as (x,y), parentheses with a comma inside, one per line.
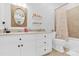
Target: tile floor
(56,53)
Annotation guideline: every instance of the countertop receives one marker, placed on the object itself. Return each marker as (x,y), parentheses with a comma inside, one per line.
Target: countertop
(21,33)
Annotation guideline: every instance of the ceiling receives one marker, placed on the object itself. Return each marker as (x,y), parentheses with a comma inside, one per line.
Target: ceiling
(44,5)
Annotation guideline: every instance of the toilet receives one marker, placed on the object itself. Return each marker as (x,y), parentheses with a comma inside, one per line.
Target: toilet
(58,44)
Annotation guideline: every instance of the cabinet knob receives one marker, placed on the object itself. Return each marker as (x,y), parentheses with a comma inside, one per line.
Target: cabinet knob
(44,42)
(20,39)
(45,36)
(3,22)
(18,45)
(44,49)
(21,45)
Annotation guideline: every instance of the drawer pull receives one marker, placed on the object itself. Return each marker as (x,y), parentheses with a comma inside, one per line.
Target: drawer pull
(45,36)
(18,45)
(44,49)
(20,39)
(21,45)
(44,42)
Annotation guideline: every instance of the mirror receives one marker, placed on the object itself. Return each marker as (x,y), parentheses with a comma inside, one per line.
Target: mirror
(18,16)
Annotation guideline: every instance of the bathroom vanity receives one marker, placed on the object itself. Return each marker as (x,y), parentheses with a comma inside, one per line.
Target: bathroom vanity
(15,40)
(26,44)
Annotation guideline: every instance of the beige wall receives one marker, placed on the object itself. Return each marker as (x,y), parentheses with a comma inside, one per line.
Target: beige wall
(73,22)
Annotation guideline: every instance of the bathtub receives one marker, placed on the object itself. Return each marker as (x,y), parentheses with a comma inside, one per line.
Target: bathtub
(73,46)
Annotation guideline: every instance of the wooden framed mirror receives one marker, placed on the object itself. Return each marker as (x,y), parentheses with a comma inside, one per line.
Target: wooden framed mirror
(18,16)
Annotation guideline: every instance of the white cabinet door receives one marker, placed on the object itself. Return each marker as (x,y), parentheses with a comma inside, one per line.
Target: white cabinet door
(28,45)
(9,45)
(39,44)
